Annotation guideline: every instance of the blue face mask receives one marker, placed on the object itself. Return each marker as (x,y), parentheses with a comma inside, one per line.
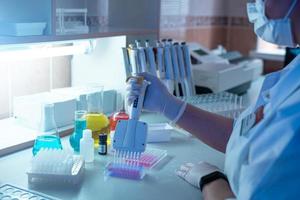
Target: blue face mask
(276,31)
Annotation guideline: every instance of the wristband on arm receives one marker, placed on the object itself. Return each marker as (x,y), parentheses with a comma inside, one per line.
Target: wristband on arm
(211,177)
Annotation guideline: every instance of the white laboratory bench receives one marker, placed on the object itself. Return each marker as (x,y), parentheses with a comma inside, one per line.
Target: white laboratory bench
(159,183)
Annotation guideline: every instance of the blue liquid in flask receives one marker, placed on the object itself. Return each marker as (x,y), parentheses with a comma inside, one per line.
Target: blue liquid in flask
(46,141)
(80,125)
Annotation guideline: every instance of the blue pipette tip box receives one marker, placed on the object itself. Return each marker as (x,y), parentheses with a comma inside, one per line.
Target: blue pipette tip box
(124,170)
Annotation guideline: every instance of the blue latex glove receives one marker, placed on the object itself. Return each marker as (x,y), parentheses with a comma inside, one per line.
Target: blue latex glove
(157,97)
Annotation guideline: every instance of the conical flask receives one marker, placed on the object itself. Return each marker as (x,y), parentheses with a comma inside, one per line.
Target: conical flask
(49,137)
(96,120)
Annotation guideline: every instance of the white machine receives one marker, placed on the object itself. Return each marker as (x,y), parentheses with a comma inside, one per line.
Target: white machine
(225,71)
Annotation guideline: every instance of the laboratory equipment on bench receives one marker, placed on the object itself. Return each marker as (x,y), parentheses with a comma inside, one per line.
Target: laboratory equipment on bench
(169,76)
(159,132)
(141,57)
(110,97)
(8,191)
(102,149)
(184,83)
(50,140)
(150,58)
(96,120)
(87,146)
(130,135)
(188,69)
(80,125)
(29,110)
(55,166)
(115,117)
(133,167)
(46,141)
(130,141)
(169,61)
(121,169)
(223,103)
(228,71)
(174,58)
(150,158)
(159,59)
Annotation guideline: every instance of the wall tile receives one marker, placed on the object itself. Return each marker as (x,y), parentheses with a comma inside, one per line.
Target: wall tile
(207,8)
(237,8)
(209,37)
(61,69)
(241,39)
(211,23)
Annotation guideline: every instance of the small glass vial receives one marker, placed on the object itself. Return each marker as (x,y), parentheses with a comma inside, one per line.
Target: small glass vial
(102,149)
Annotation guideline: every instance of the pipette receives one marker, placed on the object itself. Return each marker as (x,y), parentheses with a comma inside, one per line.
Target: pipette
(130,135)
(188,68)
(150,58)
(184,83)
(160,60)
(141,57)
(169,78)
(174,66)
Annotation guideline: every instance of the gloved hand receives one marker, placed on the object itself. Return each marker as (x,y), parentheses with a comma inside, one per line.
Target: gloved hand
(157,97)
(193,173)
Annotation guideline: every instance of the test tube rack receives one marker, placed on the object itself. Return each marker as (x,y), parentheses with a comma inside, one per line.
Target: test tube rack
(65,169)
(223,103)
(135,169)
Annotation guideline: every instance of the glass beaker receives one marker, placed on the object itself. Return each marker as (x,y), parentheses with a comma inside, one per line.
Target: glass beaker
(96,120)
(79,126)
(50,136)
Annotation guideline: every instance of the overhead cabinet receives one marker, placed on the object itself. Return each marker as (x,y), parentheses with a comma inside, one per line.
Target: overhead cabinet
(55,20)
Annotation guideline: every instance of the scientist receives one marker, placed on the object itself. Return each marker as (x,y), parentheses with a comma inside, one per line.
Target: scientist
(263,145)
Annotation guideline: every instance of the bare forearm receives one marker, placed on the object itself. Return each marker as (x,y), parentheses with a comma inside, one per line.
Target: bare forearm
(217,190)
(212,129)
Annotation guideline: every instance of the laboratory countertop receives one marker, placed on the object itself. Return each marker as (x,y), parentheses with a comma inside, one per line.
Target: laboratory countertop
(159,183)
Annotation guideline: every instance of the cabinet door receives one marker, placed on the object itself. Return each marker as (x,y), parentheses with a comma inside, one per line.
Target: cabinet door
(24,20)
(54,20)
(107,17)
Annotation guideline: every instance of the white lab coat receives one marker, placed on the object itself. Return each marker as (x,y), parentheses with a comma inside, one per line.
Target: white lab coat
(264,163)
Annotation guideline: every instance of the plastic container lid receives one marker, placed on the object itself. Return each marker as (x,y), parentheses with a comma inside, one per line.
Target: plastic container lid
(87,133)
